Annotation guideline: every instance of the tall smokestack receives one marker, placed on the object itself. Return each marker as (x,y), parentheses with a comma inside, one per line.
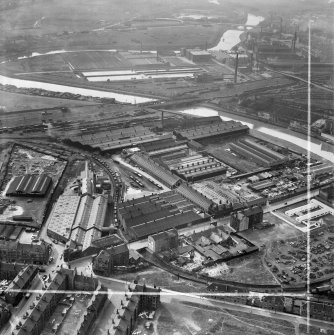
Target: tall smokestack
(236,67)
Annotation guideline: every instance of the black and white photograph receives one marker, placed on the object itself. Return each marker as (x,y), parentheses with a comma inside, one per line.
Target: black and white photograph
(167,167)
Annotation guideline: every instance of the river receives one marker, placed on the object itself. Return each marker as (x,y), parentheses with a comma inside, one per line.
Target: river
(232,37)
(71,89)
(262,127)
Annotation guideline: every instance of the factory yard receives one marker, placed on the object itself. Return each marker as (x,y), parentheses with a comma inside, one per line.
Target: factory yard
(25,162)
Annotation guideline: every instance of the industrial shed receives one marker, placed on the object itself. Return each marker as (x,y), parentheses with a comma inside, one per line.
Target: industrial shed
(29,185)
(214,130)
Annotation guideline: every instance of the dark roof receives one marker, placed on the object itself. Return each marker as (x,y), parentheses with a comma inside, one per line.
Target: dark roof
(173,221)
(253,210)
(29,184)
(107,241)
(155,169)
(161,144)
(119,249)
(223,128)
(164,235)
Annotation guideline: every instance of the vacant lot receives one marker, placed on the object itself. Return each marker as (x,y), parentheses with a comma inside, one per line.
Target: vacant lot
(249,269)
(191,318)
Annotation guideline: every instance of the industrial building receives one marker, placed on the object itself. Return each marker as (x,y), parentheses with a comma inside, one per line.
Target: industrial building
(246,219)
(89,221)
(321,169)
(311,211)
(260,154)
(163,147)
(62,217)
(87,181)
(197,167)
(17,288)
(225,128)
(195,197)
(150,215)
(196,55)
(162,241)
(116,139)
(156,170)
(29,253)
(105,262)
(29,185)
(265,50)
(77,218)
(10,232)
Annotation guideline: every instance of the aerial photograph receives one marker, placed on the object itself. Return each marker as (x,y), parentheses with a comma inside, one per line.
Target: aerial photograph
(167,167)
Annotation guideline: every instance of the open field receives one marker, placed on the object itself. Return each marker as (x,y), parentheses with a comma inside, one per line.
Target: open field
(189,318)
(40,26)
(39,16)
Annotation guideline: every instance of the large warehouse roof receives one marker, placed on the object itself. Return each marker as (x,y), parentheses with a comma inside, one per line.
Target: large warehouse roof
(63,215)
(29,185)
(155,169)
(177,220)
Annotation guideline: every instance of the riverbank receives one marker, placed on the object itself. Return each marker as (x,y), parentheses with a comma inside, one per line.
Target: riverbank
(73,89)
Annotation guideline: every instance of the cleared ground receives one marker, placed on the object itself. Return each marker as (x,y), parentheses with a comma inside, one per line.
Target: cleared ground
(281,230)
(249,269)
(189,318)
